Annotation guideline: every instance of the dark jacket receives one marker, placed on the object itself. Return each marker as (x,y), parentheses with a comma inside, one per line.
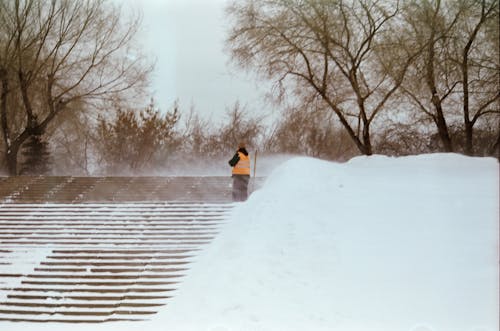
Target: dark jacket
(236,157)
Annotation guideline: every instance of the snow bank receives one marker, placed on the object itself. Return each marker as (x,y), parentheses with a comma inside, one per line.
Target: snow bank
(377,243)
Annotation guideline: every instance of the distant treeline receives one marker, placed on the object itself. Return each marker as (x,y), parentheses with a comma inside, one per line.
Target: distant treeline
(350,77)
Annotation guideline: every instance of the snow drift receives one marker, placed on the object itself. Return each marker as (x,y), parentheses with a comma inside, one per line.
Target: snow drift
(377,243)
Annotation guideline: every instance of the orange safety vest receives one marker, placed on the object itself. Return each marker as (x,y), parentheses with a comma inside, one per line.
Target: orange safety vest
(243,165)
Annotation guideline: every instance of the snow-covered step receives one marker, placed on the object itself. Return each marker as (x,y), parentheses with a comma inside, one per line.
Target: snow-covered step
(67,304)
(113,238)
(89,263)
(80,319)
(88,232)
(190,226)
(129,207)
(112,278)
(27,189)
(96,298)
(33,243)
(177,226)
(83,258)
(106,206)
(112,205)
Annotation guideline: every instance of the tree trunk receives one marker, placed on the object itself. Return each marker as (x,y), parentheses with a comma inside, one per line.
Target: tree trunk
(13,150)
(431,83)
(367,145)
(23,85)
(11,161)
(442,127)
(496,147)
(468,149)
(11,157)
(366,136)
(469,146)
(363,147)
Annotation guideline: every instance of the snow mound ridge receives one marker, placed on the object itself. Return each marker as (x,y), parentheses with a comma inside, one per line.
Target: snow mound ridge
(376,243)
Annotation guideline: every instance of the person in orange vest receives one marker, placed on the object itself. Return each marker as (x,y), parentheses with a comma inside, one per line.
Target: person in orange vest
(240,173)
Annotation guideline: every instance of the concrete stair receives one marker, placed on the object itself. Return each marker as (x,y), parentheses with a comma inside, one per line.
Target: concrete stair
(43,189)
(98,262)
(102,249)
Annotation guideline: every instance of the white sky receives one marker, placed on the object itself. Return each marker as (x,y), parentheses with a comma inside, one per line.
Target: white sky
(186,37)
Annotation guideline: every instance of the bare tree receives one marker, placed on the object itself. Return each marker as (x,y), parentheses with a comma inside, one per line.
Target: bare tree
(458,67)
(331,50)
(240,127)
(54,53)
(137,141)
(310,131)
(218,140)
(479,64)
(71,137)
(195,134)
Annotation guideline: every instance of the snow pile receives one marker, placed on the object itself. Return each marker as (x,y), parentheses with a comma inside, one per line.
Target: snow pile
(377,243)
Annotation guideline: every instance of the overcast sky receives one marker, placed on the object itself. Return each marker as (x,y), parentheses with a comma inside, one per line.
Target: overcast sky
(186,37)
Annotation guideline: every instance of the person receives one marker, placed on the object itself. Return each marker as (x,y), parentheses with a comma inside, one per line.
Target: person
(240,173)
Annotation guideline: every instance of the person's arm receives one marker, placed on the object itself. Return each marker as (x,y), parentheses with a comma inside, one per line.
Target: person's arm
(234,160)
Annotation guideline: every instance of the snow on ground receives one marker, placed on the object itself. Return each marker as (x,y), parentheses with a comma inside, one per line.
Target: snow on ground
(18,261)
(377,243)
